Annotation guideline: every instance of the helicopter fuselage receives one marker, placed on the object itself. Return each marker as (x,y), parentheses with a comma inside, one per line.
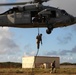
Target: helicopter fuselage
(23,17)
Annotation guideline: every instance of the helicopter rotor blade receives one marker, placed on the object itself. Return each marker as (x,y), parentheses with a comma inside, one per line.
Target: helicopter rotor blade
(22,3)
(10,4)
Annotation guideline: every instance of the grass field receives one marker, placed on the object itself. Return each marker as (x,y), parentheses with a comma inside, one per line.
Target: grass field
(20,71)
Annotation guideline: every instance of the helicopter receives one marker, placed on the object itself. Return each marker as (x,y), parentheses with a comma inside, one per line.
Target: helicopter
(35,15)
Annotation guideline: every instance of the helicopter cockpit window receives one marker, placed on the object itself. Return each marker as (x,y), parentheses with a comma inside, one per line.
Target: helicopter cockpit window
(64,12)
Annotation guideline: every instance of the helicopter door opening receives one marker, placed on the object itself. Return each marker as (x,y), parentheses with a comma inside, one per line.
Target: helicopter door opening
(53,14)
(37,18)
(34,14)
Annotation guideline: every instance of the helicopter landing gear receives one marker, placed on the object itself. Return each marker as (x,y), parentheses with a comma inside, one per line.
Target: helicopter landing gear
(49,27)
(49,30)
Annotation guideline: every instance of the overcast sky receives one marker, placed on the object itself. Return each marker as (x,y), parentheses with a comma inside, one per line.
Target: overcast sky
(18,42)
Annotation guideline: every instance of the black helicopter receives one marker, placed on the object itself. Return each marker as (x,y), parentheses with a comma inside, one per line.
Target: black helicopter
(35,14)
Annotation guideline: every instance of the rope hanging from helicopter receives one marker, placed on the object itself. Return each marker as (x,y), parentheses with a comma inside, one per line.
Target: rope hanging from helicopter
(34,64)
(38,40)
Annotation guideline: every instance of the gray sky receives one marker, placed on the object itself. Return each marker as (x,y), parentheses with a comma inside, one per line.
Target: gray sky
(68,5)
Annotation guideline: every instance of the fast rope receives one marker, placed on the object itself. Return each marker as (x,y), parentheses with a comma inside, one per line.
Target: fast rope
(34,64)
(38,30)
(35,58)
(38,44)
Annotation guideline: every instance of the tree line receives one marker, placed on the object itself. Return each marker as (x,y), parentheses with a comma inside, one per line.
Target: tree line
(10,65)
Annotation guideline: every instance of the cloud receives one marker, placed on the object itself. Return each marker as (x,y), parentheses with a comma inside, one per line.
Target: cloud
(74,28)
(68,5)
(2,1)
(73,50)
(7,58)
(52,53)
(65,38)
(4,32)
(67,59)
(7,44)
(63,52)
(3,8)
(29,51)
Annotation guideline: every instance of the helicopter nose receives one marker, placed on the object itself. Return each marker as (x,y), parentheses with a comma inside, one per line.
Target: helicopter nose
(72,18)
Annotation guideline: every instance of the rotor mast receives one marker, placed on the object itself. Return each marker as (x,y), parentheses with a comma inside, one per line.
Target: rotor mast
(40,1)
